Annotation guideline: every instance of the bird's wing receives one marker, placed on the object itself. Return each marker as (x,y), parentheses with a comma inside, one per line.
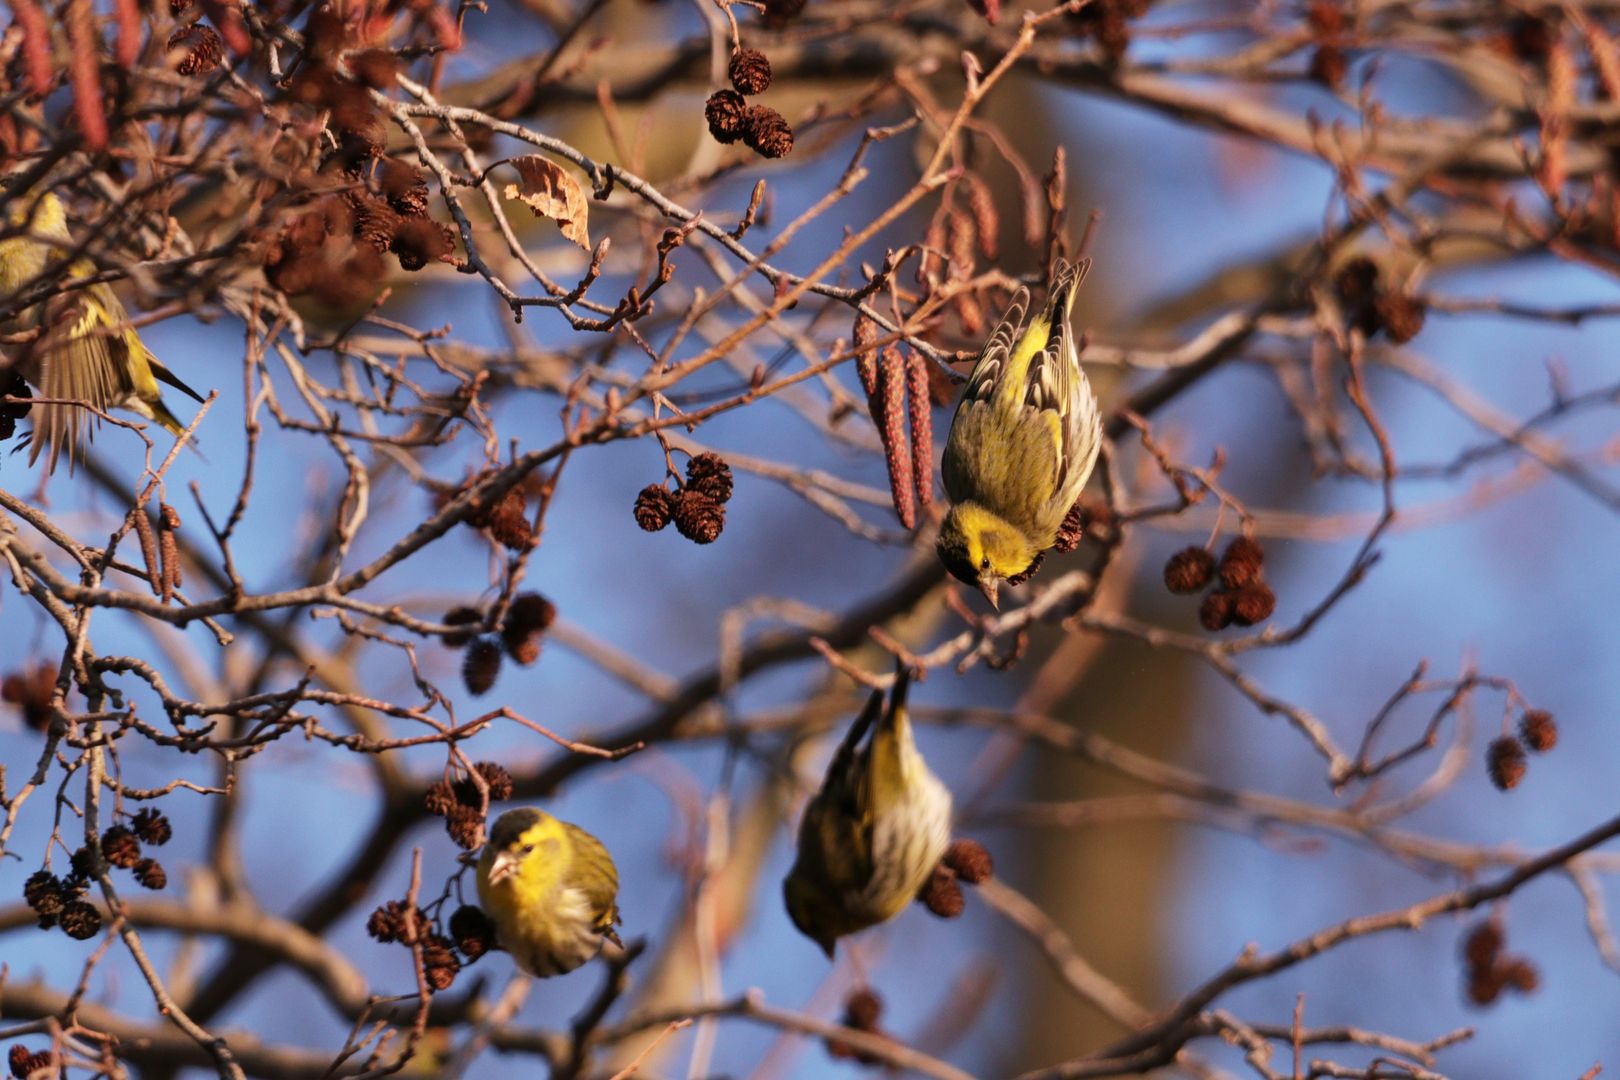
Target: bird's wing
(1057,390)
(993,358)
(594,874)
(836,834)
(79,356)
(977,451)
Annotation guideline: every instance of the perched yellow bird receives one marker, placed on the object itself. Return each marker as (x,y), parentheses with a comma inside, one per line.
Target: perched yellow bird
(86,349)
(1022,444)
(875,831)
(551,889)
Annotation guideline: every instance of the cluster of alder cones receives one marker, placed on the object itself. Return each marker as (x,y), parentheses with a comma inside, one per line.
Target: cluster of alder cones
(470,935)
(1505,758)
(964,861)
(334,247)
(519,635)
(697,507)
(731,118)
(461,803)
(1242,598)
(1373,306)
(1489,969)
(60,901)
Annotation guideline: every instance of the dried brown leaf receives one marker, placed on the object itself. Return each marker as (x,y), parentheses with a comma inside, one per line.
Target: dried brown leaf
(550,192)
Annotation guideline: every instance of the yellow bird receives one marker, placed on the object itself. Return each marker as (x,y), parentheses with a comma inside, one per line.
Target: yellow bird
(551,889)
(1023,442)
(86,349)
(875,831)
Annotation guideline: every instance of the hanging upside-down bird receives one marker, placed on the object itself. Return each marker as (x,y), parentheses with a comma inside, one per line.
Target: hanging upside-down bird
(84,348)
(1023,442)
(551,889)
(875,831)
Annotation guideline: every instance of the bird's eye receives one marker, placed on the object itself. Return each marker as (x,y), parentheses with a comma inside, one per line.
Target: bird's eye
(985,564)
(527,849)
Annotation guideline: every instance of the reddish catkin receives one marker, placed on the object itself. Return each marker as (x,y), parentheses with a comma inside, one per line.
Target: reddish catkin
(128,46)
(169,549)
(889,410)
(36,45)
(84,71)
(1605,59)
(921,414)
(446,31)
(865,355)
(960,235)
(986,222)
(932,261)
(1561,77)
(149,553)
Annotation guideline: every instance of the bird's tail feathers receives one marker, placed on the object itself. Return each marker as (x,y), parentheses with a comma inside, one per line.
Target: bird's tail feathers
(857,731)
(169,422)
(902,687)
(896,722)
(1066,282)
(164,375)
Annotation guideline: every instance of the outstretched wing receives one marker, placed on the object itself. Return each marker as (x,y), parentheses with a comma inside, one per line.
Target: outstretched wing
(79,356)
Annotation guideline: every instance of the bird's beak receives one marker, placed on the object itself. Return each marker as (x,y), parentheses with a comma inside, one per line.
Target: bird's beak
(504,866)
(990,586)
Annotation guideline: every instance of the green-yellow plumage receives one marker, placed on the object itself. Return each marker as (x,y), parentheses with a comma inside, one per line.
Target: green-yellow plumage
(874,832)
(85,349)
(1022,444)
(551,888)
